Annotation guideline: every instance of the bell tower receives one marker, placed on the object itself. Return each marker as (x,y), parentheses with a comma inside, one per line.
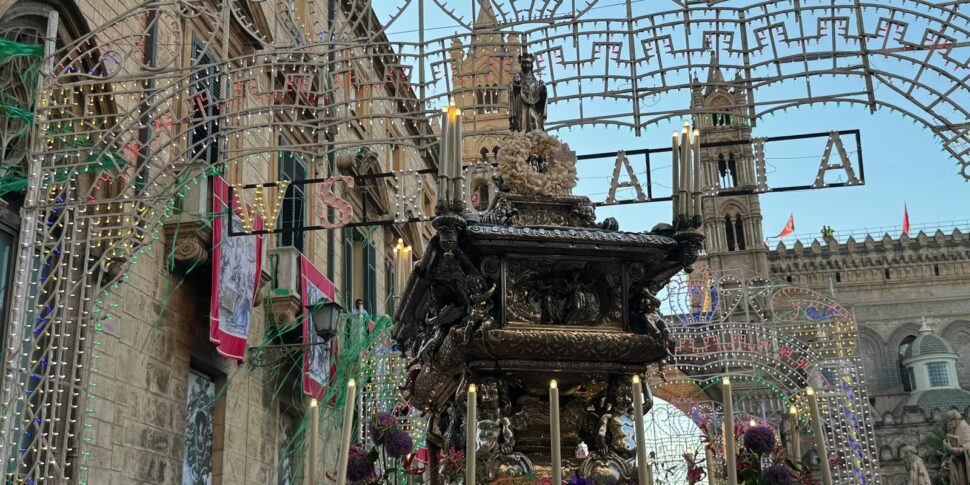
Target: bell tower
(481,75)
(732,223)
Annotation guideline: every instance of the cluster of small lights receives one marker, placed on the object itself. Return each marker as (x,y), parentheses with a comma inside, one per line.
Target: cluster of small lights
(382,374)
(767,334)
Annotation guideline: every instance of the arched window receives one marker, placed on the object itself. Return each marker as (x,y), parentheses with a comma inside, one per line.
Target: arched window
(734,232)
(733,170)
(909,380)
(487,99)
(739,231)
(722,170)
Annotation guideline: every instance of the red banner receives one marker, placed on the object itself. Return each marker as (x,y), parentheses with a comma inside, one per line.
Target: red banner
(319,367)
(236,265)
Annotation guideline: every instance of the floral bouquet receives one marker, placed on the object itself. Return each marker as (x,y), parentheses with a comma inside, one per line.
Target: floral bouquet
(392,445)
(763,462)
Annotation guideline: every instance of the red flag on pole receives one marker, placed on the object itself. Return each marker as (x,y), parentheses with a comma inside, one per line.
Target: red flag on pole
(905,220)
(789,227)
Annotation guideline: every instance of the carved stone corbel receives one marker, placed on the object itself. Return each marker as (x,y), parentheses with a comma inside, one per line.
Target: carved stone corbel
(283,308)
(189,240)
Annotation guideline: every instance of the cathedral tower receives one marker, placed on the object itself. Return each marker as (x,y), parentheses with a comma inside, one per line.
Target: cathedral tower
(732,223)
(481,75)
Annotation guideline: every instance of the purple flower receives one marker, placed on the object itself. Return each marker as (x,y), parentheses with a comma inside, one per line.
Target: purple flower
(359,467)
(759,439)
(398,444)
(577,480)
(380,425)
(778,475)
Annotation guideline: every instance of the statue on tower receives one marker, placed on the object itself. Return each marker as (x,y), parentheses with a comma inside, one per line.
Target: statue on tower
(527,99)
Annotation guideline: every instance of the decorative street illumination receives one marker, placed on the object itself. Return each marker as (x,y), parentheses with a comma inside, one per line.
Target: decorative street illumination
(325,316)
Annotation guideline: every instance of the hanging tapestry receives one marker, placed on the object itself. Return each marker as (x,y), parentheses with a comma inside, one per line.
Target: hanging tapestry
(197,456)
(236,265)
(319,367)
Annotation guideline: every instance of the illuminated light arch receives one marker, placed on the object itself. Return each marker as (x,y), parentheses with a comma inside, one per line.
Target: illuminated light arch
(773,340)
(118,213)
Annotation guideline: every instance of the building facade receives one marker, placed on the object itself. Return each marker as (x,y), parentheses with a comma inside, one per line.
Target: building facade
(163,406)
(907,293)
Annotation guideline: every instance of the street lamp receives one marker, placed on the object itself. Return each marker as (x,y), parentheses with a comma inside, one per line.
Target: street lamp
(325,315)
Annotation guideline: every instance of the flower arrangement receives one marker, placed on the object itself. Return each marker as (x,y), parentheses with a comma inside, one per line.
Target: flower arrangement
(762,461)
(531,163)
(380,464)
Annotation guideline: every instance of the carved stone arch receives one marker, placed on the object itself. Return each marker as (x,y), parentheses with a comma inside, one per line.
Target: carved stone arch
(872,349)
(731,208)
(957,333)
(719,99)
(892,351)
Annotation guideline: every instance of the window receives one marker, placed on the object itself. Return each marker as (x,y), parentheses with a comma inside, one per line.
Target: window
(734,231)
(370,283)
(203,139)
(292,217)
(199,430)
(487,99)
(906,375)
(348,267)
(727,169)
(721,119)
(936,269)
(887,274)
(939,377)
(729,232)
(739,231)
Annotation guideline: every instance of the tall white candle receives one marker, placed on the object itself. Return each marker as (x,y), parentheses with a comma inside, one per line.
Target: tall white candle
(471,430)
(555,439)
(823,453)
(314,438)
(643,468)
(697,174)
(675,184)
(444,155)
(685,172)
(796,445)
(730,456)
(349,404)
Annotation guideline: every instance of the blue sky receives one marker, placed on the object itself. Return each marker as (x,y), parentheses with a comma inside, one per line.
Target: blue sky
(903,161)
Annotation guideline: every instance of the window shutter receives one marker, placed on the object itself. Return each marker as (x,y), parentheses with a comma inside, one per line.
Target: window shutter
(348,267)
(371,293)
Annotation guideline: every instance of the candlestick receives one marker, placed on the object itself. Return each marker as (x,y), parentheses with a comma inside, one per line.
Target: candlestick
(456,176)
(675,184)
(795,439)
(471,429)
(314,438)
(554,437)
(729,445)
(642,466)
(709,458)
(823,454)
(348,428)
(697,175)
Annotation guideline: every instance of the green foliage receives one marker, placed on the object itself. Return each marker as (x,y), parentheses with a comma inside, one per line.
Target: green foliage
(935,451)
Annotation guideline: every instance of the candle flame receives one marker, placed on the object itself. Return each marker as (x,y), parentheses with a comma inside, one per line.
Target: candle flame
(313,403)
(726,381)
(636,378)
(793,410)
(553,384)
(472,389)
(809,391)
(351,383)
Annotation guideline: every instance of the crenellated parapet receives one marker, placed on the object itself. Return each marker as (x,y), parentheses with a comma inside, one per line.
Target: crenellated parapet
(870,260)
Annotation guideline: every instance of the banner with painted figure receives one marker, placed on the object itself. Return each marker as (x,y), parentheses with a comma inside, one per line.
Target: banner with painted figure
(318,366)
(236,266)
